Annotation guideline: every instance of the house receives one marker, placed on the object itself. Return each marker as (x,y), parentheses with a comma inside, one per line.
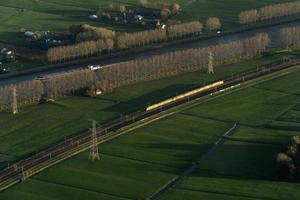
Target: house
(154,23)
(148,13)
(6,55)
(29,34)
(98,91)
(138,17)
(93,17)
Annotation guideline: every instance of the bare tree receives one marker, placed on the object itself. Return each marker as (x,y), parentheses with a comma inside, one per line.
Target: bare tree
(68,84)
(213,23)
(127,40)
(290,37)
(93,33)
(270,12)
(28,92)
(177,62)
(249,16)
(184,29)
(82,49)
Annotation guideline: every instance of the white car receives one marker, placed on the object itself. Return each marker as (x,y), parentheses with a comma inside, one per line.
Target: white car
(94,67)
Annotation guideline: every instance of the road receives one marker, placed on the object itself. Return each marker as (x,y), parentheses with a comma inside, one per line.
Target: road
(272,31)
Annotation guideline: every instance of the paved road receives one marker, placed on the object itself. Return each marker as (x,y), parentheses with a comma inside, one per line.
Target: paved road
(272,31)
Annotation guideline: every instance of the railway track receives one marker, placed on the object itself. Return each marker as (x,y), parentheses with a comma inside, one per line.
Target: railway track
(23,169)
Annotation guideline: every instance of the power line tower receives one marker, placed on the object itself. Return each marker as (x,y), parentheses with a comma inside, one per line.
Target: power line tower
(94,152)
(15,101)
(211,63)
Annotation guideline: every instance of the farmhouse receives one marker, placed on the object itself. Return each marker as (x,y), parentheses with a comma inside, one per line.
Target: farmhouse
(148,17)
(94,17)
(148,13)
(6,55)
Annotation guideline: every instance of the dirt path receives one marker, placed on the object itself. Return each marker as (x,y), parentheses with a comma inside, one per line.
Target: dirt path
(195,165)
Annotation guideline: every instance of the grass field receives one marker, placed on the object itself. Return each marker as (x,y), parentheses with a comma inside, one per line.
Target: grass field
(55,15)
(41,125)
(135,165)
(132,166)
(244,168)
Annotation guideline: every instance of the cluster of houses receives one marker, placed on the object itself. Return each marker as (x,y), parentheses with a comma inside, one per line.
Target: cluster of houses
(149,17)
(44,39)
(6,56)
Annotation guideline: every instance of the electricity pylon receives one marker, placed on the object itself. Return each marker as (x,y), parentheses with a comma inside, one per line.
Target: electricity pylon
(15,102)
(211,63)
(94,152)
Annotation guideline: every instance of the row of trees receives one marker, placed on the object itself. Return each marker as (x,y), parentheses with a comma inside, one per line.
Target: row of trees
(28,92)
(87,32)
(120,74)
(184,29)
(213,23)
(178,62)
(95,46)
(290,37)
(288,163)
(82,49)
(269,12)
(68,84)
(172,8)
(127,40)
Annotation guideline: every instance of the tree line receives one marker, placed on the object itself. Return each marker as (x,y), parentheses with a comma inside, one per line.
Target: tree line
(269,12)
(79,50)
(184,29)
(213,23)
(94,41)
(164,7)
(290,37)
(177,62)
(68,84)
(127,40)
(125,73)
(28,92)
(86,32)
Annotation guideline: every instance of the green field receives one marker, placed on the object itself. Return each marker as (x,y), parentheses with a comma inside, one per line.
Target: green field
(135,165)
(131,166)
(55,15)
(244,168)
(39,126)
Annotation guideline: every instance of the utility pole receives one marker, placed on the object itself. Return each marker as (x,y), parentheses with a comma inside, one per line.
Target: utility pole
(210,63)
(15,101)
(94,152)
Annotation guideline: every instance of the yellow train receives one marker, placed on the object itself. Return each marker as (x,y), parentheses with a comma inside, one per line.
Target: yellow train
(181,96)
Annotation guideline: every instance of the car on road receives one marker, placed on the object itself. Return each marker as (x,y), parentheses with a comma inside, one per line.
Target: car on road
(94,67)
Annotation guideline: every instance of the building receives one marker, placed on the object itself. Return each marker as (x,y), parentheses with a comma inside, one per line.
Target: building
(6,55)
